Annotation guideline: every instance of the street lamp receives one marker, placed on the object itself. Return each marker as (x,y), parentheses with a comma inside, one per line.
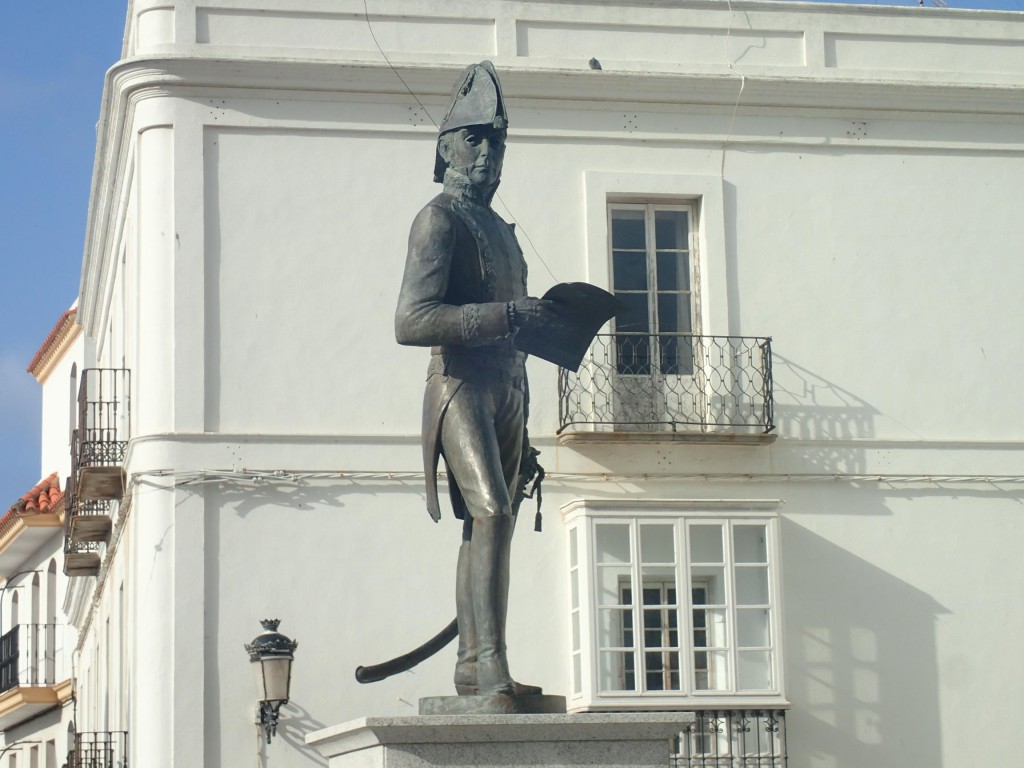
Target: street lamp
(271,655)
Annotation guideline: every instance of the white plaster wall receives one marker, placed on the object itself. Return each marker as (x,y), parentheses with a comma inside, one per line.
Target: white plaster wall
(59,400)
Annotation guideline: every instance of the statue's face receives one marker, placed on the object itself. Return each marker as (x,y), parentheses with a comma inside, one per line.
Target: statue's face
(476,152)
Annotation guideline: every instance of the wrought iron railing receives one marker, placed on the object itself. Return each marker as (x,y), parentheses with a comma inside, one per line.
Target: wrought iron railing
(679,382)
(99,749)
(730,738)
(100,438)
(30,655)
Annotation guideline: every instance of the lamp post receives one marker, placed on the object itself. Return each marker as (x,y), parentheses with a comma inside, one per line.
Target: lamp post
(271,655)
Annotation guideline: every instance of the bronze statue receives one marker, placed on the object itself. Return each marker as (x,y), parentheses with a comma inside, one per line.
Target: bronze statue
(464,294)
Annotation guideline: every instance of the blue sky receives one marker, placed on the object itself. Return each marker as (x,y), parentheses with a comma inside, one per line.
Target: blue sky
(53,56)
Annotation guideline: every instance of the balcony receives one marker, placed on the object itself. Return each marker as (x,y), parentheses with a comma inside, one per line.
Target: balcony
(98,447)
(669,387)
(99,749)
(82,554)
(32,674)
(100,439)
(733,738)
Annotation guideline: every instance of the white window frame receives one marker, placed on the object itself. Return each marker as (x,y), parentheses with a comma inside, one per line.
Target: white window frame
(582,517)
(654,291)
(704,193)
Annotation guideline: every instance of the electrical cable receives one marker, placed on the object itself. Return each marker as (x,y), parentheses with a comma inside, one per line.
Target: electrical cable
(508,210)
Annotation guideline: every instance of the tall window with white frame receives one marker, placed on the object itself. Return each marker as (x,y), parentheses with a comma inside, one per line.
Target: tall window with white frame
(653,268)
(673,607)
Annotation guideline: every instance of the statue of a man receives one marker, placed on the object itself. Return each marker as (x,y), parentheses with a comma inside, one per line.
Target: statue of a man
(464,294)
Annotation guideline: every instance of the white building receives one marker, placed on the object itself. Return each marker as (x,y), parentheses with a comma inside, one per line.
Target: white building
(825,525)
(37,707)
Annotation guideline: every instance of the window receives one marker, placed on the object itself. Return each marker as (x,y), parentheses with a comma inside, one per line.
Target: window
(652,270)
(673,604)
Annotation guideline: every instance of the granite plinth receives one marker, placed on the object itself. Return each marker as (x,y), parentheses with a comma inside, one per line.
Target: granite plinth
(492,705)
(598,740)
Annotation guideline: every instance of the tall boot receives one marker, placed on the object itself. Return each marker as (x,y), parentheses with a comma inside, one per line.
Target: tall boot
(489,566)
(465,666)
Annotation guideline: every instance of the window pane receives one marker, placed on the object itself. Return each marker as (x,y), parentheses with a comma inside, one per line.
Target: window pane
(577,673)
(657,543)
(671,230)
(613,585)
(752,585)
(659,583)
(674,313)
(633,355)
(574,557)
(615,628)
(752,627)
(576,630)
(706,543)
(628,229)
(634,318)
(662,671)
(629,271)
(676,355)
(673,271)
(709,628)
(613,543)
(574,586)
(755,671)
(708,584)
(616,671)
(711,670)
(750,543)
(661,628)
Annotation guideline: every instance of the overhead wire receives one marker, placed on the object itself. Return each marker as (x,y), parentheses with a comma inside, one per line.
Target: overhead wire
(508,210)
(739,95)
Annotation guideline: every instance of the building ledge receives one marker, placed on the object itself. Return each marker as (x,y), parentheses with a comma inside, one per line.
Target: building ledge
(571,438)
(23,702)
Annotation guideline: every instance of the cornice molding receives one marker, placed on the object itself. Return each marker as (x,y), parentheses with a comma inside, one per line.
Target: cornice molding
(57,343)
(133,80)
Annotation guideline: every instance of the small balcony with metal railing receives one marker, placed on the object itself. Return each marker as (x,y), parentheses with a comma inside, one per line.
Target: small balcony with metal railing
(669,386)
(33,677)
(99,749)
(733,737)
(99,444)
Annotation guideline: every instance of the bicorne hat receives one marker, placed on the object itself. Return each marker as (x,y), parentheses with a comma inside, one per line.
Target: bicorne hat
(476,100)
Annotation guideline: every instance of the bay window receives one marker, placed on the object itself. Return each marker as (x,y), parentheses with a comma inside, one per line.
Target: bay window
(673,603)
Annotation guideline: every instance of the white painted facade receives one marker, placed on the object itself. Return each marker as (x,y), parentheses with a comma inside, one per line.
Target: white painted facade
(37,707)
(853,172)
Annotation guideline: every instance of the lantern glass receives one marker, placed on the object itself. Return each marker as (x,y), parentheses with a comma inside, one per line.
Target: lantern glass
(272,677)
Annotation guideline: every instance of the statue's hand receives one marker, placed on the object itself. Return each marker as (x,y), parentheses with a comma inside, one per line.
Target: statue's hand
(532,313)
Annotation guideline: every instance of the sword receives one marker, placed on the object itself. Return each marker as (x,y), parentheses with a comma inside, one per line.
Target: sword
(376,672)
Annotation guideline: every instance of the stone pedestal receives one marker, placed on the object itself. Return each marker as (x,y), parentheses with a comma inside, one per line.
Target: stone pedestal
(493,705)
(604,740)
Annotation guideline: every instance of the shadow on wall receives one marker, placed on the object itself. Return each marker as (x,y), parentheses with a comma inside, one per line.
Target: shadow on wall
(295,723)
(861,664)
(808,407)
(241,498)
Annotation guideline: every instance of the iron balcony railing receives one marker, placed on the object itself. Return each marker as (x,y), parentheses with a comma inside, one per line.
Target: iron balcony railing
(100,438)
(730,738)
(30,655)
(99,749)
(678,382)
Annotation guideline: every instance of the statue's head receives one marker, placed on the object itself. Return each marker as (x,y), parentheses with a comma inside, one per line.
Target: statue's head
(471,139)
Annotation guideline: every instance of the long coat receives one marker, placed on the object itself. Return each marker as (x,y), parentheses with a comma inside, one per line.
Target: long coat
(463,266)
